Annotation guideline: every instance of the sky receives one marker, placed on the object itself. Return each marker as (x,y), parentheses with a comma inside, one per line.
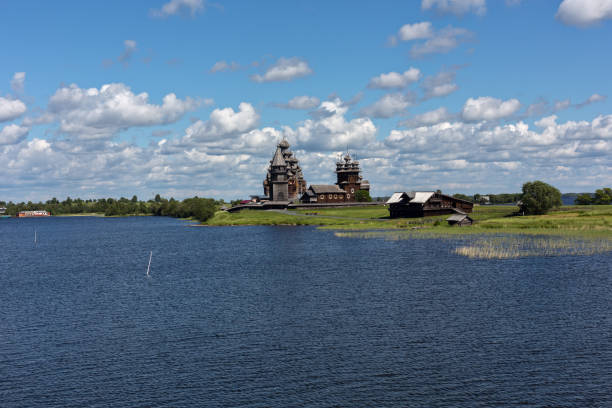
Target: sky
(190,97)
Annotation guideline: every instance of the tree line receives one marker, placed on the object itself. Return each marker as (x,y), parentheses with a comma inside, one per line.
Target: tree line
(504,198)
(199,208)
(602,196)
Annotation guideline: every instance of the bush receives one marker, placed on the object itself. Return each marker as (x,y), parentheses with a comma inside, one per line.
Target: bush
(363,196)
(584,199)
(539,197)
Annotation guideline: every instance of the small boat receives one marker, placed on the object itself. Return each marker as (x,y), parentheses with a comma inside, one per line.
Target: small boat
(35,213)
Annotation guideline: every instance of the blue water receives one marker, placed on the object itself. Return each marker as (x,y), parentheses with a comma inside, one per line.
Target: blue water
(291,317)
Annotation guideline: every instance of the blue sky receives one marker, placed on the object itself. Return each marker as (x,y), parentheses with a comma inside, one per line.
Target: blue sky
(187,97)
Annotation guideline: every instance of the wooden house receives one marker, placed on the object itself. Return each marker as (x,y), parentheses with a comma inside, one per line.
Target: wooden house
(415,204)
(324,194)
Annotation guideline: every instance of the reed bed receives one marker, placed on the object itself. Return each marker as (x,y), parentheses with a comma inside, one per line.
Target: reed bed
(509,247)
(504,246)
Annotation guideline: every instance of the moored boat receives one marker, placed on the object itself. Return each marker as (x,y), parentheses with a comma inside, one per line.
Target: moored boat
(35,213)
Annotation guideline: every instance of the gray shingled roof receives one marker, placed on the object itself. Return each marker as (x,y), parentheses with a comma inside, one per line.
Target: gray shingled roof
(278,159)
(457,217)
(326,189)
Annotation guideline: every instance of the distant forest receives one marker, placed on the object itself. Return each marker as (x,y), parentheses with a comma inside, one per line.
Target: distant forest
(505,198)
(198,208)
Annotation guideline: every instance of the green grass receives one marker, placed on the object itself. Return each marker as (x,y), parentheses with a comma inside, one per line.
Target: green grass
(369,212)
(586,221)
(259,217)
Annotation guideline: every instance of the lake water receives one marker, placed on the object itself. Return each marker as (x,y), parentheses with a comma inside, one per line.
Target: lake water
(291,317)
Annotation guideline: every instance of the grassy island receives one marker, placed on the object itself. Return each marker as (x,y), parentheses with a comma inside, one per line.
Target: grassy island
(497,233)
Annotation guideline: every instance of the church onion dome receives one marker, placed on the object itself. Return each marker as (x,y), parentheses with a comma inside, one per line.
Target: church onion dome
(347,158)
(284,144)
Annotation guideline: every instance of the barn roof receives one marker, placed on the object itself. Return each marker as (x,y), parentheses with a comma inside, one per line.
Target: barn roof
(395,198)
(421,197)
(457,217)
(326,188)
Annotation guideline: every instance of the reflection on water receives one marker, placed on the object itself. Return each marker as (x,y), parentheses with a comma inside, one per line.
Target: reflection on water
(291,316)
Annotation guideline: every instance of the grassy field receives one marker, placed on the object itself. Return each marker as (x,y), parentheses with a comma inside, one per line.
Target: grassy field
(487,218)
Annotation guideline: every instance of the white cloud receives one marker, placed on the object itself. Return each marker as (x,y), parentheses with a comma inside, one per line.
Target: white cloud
(592,99)
(285,69)
(12,134)
(584,13)
(223,66)
(224,123)
(17,83)
(561,105)
(395,79)
(389,105)
(473,157)
(441,42)
(416,31)
(488,108)
(11,109)
(101,113)
(439,85)
(174,7)
(436,41)
(457,7)
(429,118)
(300,102)
(332,131)
(130,49)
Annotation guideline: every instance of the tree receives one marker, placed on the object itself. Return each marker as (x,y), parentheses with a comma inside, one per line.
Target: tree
(603,196)
(463,197)
(583,199)
(539,197)
(363,196)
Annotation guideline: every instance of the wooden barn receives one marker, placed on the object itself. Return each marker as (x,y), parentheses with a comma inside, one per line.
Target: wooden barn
(415,204)
(460,220)
(323,193)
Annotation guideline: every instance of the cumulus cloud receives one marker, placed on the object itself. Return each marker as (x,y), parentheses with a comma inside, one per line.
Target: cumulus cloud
(439,85)
(429,118)
(395,79)
(389,105)
(584,13)
(333,131)
(441,42)
(300,102)
(285,69)
(435,41)
(233,163)
(488,108)
(101,113)
(223,66)
(416,31)
(488,153)
(457,7)
(173,7)
(11,109)
(18,81)
(12,134)
(224,123)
